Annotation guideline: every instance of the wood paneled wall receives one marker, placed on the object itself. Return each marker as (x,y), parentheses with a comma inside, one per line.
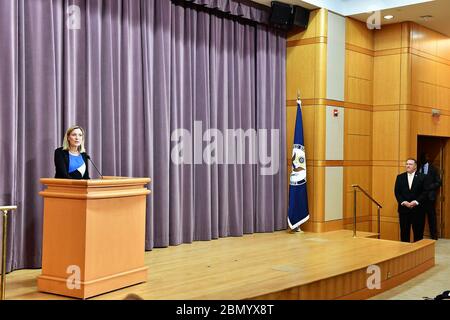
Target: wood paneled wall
(407,86)
(358,123)
(387,120)
(394,77)
(306,71)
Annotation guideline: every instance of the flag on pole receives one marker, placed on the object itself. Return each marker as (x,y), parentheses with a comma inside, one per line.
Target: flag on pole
(298,197)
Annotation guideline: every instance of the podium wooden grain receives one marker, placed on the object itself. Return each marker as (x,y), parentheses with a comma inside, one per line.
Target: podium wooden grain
(93,235)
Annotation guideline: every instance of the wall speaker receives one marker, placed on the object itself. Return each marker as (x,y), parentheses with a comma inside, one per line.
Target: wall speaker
(285,16)
(281,15)
(301,17)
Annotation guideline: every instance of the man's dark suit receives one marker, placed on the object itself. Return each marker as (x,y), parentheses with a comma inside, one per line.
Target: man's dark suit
(433,183)
(414,216)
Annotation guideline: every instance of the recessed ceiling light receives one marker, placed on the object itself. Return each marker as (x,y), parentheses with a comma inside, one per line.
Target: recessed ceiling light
(389,17)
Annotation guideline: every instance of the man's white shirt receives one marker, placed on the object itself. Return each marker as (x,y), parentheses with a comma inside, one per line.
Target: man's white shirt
(410,182)
(410,179)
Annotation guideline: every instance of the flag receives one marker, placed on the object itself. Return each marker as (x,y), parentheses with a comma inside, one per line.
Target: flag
(298,197)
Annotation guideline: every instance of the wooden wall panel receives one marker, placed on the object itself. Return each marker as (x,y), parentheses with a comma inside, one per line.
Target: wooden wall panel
(359,91)
(405,78)
(443,98)
(321,71)
(363,206)
(390,231)
(365,226)
(306,72)
(320,132)
(358,34)
(411,75)
(317,26)
(388,37)
(358,122)
(424,39)
(430,68)
(386,80)
(360,65)
(386,135)
(322,23)
(301,74)
(393,78)
(407,143)
(358,147)
(383,189)
(319,194)
(310,190)
(443,75)
(359,78)
(423,69)
(443,48)
(424,94)
(391,69)
(360,175)
(443,86)
(423,81)
(423,123)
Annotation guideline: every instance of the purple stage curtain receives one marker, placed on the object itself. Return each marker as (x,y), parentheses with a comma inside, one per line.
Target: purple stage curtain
(133,73)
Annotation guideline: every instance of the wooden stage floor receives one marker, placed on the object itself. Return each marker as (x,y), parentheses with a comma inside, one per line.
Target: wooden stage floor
(277,265)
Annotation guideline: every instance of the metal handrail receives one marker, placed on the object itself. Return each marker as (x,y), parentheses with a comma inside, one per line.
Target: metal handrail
(379,206)
(4,210)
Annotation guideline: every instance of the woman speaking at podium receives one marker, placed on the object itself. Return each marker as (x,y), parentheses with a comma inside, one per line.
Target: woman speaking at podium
(71,158)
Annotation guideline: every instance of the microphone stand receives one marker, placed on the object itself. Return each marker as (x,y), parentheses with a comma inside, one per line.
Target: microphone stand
(89,158)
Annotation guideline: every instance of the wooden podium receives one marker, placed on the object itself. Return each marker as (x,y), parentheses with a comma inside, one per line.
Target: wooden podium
(94,235)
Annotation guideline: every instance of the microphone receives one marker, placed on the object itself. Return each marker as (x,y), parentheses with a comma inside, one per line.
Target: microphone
(89,158)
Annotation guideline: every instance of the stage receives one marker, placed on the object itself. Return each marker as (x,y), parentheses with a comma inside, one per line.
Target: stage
(277,265)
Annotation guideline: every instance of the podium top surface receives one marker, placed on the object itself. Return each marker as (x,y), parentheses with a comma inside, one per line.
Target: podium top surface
(108,187)
(106,181)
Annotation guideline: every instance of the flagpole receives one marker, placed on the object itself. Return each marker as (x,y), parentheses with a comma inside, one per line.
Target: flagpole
(298,100)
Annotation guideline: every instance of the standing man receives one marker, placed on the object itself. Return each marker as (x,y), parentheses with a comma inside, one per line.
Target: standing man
(410,194)
(433,183)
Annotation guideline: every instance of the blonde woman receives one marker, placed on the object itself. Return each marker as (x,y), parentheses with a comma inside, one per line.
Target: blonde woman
(71,158)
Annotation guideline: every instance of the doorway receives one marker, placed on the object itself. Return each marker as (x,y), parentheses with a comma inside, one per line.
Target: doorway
(437,150)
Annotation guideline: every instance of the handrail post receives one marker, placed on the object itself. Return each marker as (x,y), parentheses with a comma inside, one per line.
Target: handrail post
(354,186)
(4,211)
(5,228)
(379,222)
(354,212)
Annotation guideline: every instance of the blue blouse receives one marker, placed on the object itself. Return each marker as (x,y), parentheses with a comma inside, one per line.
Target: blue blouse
(75,162)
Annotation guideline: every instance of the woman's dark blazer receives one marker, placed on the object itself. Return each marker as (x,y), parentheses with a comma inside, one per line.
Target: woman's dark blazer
(62,165)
